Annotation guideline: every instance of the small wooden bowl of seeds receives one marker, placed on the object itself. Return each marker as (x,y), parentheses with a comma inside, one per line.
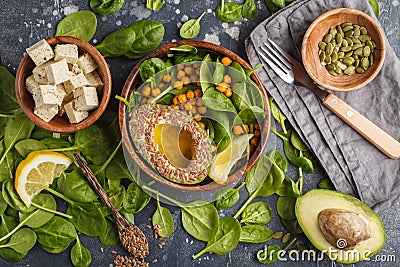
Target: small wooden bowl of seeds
(343,49)
(63,84)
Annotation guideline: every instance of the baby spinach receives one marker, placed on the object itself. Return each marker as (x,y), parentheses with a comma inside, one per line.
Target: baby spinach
(26,146)
(288,188)
(56,233)
(12,198)
(325,183)
(225,239)
(214,99)
(81,24)
(9,101)
(154,4)
(297,142)
(219,72)
(117,168)
(129,216)
(55,250)
(201,222)
(240,97)
(285,207)
(162,217)
(21,241)
(292,226)
(87,218)
(183,57)
(135,199)
(106,7)
(252,115)
(76,187)
(185,48)
(167,99)
(254,233)
(55,143)
(80,256)
(249,10)
(191,28)
(375,7)
(117,43)
(8,223)
(227,197)
(278,159)
(148,36)
(222,133)
(3,204)
(229,12)
(110,236)
(206,73)
(257,213)
(39,217)
(150,67)
(277,114)
(117,196)
(10,163)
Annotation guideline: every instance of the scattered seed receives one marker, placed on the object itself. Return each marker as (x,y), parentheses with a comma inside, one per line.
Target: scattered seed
(162,243)
(113,252)
(159,246)
(154,261)
(149,219)
(277,235)
(286,238)
(101,250)
(148,226)
(161,238)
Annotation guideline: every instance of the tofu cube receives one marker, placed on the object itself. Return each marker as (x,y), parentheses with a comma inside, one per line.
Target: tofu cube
(31,85)
(86,63)
(46,96)
(60,94)
(74,115)
(94,80)
(86,98)
(75,82)
(57,72)
(40,52)
(46,113)
(39,72)
(74,68)
(69,52)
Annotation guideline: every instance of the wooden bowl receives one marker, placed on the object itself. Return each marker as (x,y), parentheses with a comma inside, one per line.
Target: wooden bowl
(61,124)
(133,80)
(319,28)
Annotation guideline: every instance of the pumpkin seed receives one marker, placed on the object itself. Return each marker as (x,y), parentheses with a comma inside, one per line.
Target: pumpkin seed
(341,65)
(322,45)
(363,30)
(356,63)
(345,49)
(338,39)
(340,55)
(364,63)
(347,28)
(334,56)
(348,61)
(330,66)
(355,41)
(349,70)
(370,44)
(322,56)
(357,32)
(364,37)
(327,38)
(329,49)
(348,54)
(339,71)
(345,24)
(358,51)
(339,29)
(356,46)
(333,31)
(286,238)
(328,59)
(344,43)
(277,235)
(366,51)
(360,70)
(348,33)
(371,59)
(349,41)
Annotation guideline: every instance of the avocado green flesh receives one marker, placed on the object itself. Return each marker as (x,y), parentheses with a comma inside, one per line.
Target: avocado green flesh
(314,201)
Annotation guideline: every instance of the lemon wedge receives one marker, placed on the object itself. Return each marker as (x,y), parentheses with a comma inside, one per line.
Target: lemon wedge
(224,161)
(37,171)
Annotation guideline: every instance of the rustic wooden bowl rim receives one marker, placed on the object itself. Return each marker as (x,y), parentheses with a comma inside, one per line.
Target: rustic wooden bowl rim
(132,80)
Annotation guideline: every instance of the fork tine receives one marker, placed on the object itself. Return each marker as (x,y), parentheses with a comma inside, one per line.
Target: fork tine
(285,75)
(283,54)
(276,57)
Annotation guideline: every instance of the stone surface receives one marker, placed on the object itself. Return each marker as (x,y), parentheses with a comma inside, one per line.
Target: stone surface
(23,23)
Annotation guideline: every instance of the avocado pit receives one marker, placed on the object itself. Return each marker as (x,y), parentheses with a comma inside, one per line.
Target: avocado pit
(342,228)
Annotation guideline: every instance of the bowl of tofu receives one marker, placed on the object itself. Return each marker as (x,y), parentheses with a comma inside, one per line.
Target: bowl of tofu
(63,84)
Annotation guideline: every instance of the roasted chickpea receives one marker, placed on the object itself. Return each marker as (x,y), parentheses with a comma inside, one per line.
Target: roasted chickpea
(190,94)
(178,85)
(198,93)
(197,71)
(185,80)
(226,61)
(167,78)
(175,100)
(146,91)
(187,106)
(194,109)
(161,85)
(180,66)
(194,78)
(257,126)
(182,98)
(227,79)
(201,124)
(189,70)
(197,117)
(222,87)
(254,141)
(202,109)
(228,92)
(143,101)
(149,100)
(257,133)
(155,92)
(237,129)
(180,74)
(199,102)
(252,149)
(196,65)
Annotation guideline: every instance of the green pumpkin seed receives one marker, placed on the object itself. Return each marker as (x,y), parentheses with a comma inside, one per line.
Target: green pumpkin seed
(355,41)
(348,54)
(327,38)
(348,33)
(338,39)
(364,37)
(328,59)
(348,61)
(277,235)
(339,29)
(286,238)
(349,70)
(345,49)
(364,63)
(349,41)
(370,44)
(357,32)
(345,24)
(322,56)
(366,51)
(360,70)
(334,56)
(344,43)
(363,30)
(341,65)
(340,55)
(371,59)
(339,71)
(329,49)
(347,28)
(358,51)
(322,45)
(333,31)
(356,46)
(356,63)
(330,66)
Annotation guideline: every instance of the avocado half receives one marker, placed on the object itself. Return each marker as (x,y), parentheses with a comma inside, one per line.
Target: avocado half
(309,205)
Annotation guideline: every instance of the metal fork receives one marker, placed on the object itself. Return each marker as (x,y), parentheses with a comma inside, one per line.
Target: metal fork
(292,71)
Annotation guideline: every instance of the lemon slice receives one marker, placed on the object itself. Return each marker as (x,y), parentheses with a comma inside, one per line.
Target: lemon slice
(224,161)
(37,171)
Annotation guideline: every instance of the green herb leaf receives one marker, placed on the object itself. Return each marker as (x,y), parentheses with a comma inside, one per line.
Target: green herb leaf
(325,183)
(76,187)
(136,199)
(87,218)
(56,233)
(81,24)
(285,207)
(227,197)
(375,7)
(191,28)
(230,12)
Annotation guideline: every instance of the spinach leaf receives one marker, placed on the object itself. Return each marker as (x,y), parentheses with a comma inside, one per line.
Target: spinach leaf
(249,10)
(325,183)
(191,28)
(278,159)
(26,146)
(8,224)
(219,72)
(117,43)
(12,198)
(214,99)
(135,199)
(227,197)
(9,165)
(222,133)
(166,99)
(129,216)
(277,114)
(185,48)
(117,196)
(110,236)
(9,101)
(226,238)
(288,188)
(375,7)
(150,67)
(297,142)
(39,217)
(252,115)
(106,7)
(80,256)
(54,143)
(55,250)
(162,217)
(240,97)
(81,24)
(21,241)
(285,207)
(292,226)
(148,36)
(3,204)
(76,187)
(117,168)
(201,222)
(206,73)
(154,4)
(254,233)
(257,213)
(87,218)
(229,12)
(56,233)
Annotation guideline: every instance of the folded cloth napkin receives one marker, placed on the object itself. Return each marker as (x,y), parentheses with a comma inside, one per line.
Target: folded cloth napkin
(354,165)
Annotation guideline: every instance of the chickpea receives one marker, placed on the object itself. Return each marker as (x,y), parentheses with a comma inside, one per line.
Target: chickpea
(149,100)
(199,102)
(246,128)
(155,92)
(187,106)
(227,79)
(257,133)
(192,101)
(190,94)
(228,92)
(185,80)
(197,71)
(252,149)
(180,74)
(257,126)
(146,91)
(237,129)
(143,101)
(197,117)
(198,93)
(194,110)
(178,85)
(198,83)
(254,141)
(189,70)
(175,100)
(161,85)
(222,87)
(182,98)
(180,66)
(202,110)
(194,78)
(226,61)
(196,65)
(167,78)
(201,124)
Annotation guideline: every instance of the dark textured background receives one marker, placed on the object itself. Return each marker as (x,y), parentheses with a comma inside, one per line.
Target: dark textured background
(23,23)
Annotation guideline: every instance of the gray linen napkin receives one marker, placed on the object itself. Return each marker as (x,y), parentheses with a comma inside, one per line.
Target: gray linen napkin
(354,165)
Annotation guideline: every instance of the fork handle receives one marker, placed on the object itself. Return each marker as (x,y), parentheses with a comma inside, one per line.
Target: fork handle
(380,139)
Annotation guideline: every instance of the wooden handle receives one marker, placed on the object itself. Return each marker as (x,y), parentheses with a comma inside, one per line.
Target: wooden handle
(384,142)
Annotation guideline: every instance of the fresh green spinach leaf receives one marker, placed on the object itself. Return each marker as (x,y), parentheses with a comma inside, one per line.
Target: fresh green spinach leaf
(154,4)
(229,12)
(227,197)
(162,217)
(257,213)
(150,67)
(278,159)
(292,226)
(110,236)
(326,183)
(26,146)
(288,188)
(9,101)
(76,187)
(135,199)
(375,7)
(56,233)
(21,241)
(81,24)
(249,10)
(39,217)
(297,142)
(106,7)
(214,99)
(285,207)
(80,256)
(191,28)
(87,218)
(117,43)
(254,233)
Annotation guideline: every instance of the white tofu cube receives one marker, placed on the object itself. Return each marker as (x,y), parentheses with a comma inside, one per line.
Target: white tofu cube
(94,80)
(75,82)
(39,72)
(60,94)
(86,63)
(74,115)
(40,52)
(31,85)
(46,96)
(57,72)
(74,68)
(46,113)
(86,98)
(69,52)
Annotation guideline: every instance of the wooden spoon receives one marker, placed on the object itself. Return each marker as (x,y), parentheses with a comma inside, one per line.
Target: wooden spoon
(132,238)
